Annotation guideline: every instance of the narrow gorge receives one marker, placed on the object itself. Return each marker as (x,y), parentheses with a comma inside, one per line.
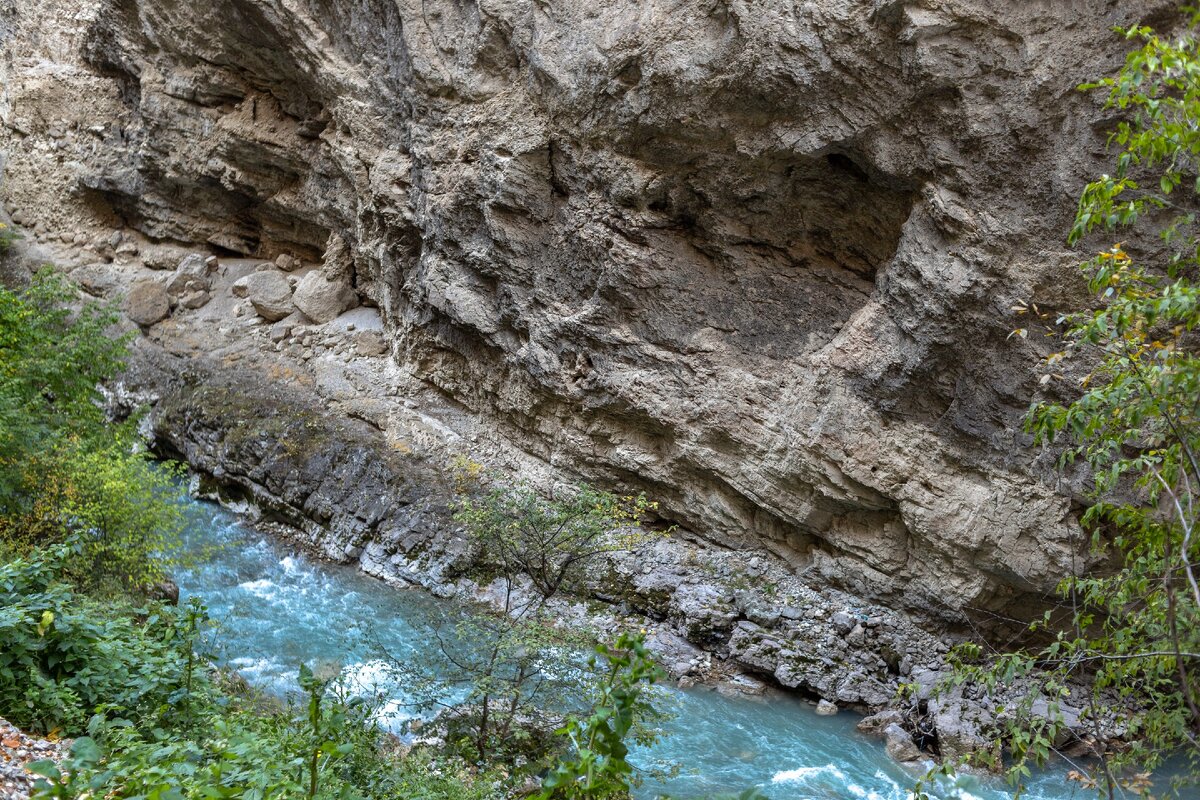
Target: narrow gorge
(756,261)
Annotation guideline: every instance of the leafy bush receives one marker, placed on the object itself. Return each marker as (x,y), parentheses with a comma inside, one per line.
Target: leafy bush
(245,745)
(65,470)
(424,774)
(67,781)
(51,360)
(597,767)
(1133,631)
(63,656)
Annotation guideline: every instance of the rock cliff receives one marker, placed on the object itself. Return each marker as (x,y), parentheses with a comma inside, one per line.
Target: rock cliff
(755,259)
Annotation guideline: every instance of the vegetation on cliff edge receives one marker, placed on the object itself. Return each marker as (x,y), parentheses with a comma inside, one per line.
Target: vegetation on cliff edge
(1133,626)
(89,525)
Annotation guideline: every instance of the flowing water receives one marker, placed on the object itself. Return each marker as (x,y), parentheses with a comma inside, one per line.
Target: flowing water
(277,609)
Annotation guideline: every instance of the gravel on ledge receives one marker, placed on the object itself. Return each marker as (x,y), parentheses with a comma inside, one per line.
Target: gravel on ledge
(18,749)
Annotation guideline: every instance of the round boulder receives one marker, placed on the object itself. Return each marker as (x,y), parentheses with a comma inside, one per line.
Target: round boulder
(322,300)
(269,292)
(192,269)
(147,303)
(826,708)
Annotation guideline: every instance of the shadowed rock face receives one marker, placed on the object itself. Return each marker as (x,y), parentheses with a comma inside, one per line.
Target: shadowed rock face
(755,259)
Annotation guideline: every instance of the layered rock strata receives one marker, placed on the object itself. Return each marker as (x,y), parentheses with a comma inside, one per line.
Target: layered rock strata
(334,486)
(755,259)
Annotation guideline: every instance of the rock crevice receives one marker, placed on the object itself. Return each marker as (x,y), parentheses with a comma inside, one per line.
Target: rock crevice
(754,259)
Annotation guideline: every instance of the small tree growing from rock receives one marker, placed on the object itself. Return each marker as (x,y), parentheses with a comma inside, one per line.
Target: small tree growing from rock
(552,541)
(515,669)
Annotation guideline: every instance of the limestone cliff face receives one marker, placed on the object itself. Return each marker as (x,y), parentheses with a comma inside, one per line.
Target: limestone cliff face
(754,258)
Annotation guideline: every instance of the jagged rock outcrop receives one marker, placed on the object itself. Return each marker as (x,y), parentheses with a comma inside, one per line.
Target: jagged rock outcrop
(755,259)
(333,486)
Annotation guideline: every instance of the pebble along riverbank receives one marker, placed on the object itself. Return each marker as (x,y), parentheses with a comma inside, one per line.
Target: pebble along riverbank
(16,751)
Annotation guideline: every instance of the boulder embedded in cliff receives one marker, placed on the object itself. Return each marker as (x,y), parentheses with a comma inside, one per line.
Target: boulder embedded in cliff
(321,299)
(164,256)
(269,292)
(338,260)
(148,303)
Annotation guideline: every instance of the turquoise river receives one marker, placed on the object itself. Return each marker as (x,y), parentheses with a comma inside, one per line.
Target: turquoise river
(275,609)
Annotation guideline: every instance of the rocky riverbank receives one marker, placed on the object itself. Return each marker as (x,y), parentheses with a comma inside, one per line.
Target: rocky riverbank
(313,433)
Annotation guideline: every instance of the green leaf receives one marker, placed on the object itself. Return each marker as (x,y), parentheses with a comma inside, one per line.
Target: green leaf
(45,768)
(86,750)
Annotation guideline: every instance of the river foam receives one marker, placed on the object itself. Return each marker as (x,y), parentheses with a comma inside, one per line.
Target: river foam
(278,609)
(805,773)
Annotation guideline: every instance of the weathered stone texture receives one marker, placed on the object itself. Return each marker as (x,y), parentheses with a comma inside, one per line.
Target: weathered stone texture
(753,258)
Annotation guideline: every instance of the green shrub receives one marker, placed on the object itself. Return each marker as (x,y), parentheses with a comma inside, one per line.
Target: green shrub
(246,745)
(7,237)
(597,767)
(555,540)
(64,468)
(63,656)
(52,357)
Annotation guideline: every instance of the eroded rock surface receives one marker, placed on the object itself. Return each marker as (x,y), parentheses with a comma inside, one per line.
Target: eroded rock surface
(755,259)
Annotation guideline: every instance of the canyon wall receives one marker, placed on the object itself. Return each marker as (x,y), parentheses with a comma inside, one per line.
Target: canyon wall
(754,259)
